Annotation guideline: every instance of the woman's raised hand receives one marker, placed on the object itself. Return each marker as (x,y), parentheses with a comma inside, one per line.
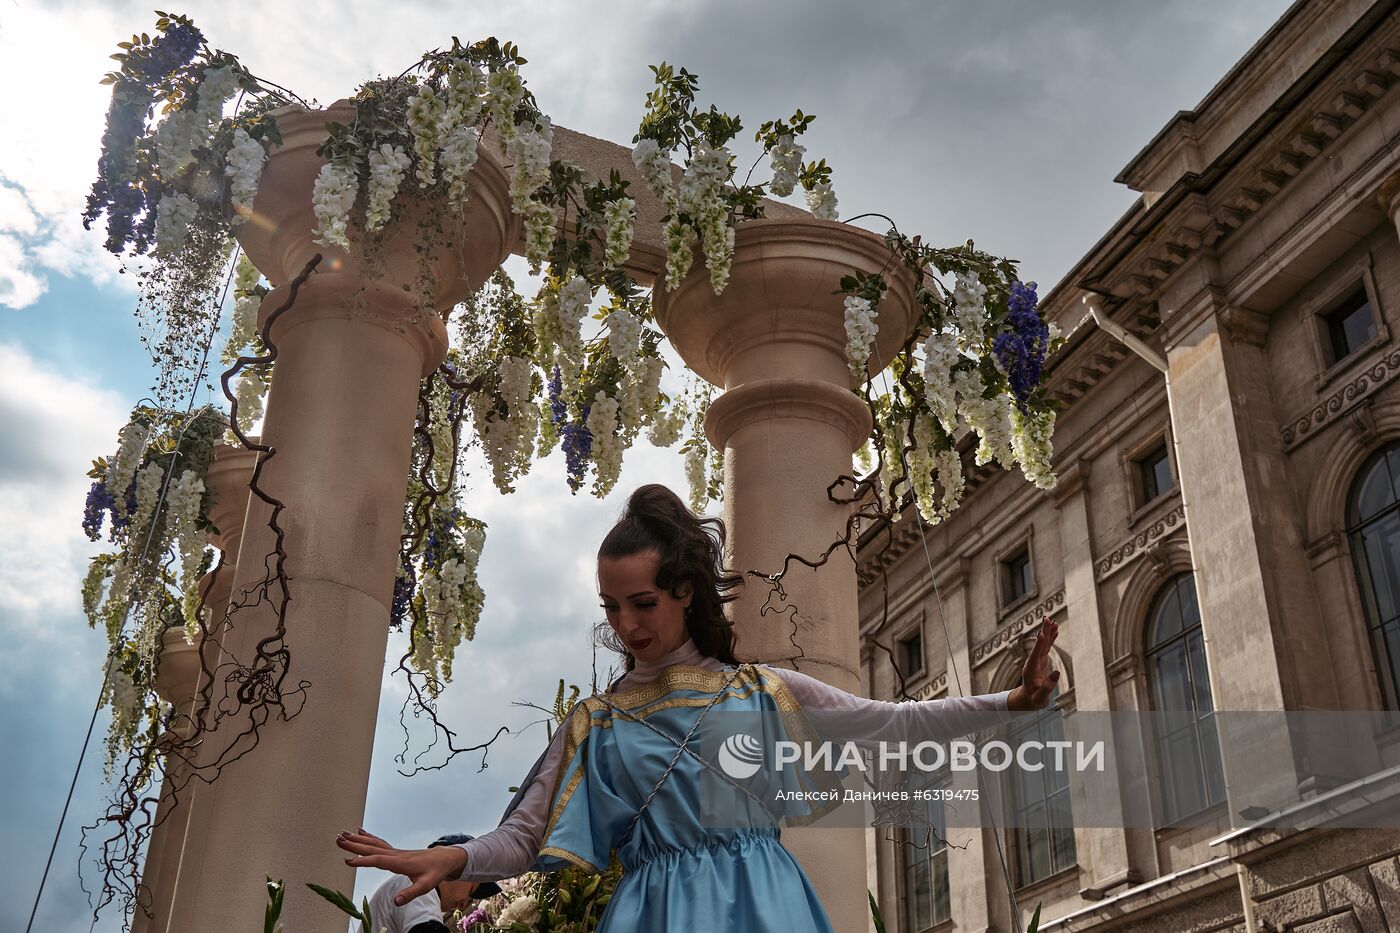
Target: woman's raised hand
(1038,681)
(425,868)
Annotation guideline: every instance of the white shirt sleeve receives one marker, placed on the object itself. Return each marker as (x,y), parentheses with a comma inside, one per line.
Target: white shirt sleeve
(840,715)
(512,847)
(385,915)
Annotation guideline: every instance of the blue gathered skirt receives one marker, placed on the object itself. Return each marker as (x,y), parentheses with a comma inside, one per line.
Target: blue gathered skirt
(704,855)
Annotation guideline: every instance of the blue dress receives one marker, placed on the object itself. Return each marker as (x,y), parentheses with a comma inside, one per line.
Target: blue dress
(704,854)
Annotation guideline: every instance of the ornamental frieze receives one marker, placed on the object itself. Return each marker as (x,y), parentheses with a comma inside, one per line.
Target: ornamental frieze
(931,689)
(1135,546)
(1008,634)
(1365,384)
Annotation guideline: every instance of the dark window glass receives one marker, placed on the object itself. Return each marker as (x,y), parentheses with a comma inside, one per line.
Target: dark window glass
(923,856)
(911,654)
(1374,520)
(1044,823)
(1017,571)
(1156,472)
(1350,325)
(1188,754)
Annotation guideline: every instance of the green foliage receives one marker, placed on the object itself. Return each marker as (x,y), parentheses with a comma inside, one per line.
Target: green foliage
(875,912)
(272,917)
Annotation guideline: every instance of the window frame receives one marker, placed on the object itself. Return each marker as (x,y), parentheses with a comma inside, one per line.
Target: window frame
(904,846)
(1014,831)
(1168,816)
(1354,527)
(1313,314)
(1006,603)
(901,646)
(1132,464)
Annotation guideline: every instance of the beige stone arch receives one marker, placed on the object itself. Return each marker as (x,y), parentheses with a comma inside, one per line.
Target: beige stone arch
(1374,424)
(1165,559)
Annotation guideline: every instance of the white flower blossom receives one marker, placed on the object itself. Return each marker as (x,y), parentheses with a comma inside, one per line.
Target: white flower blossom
(624,337)
(176,138)
(786,159)
(466,89)
(717,238)
(940,356)
(821,201)
(1031,441)
(504,93)
(245,165)
(679,253)
(130,449)
(174,214)
(524,909)
(459,154)
(217,87)
(619,218)
(539,232)
(606,450)
(970,310)
(655,166)
(252,386)
(387,166)
(332,198)
(666,427)
(696,459)
(148,481)
(424,119)
(861,327)
(528,150)
(704,177)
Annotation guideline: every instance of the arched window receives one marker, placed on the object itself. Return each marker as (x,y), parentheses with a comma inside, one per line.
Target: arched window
(923,864)
(1188,751)
(1043,821)
(1373,524)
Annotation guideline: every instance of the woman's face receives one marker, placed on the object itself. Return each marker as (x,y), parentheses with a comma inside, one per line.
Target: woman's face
(648,619)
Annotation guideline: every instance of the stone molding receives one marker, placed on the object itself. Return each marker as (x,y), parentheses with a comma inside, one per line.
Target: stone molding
(1342,400)
(1130,550)
(1007,634)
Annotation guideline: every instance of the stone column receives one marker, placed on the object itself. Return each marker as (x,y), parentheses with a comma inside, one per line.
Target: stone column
(1103,848)
(789,423)
(351,354)
(181,678)
(1264,633)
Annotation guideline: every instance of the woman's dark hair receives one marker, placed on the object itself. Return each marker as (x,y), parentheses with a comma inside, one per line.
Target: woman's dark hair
(691,550)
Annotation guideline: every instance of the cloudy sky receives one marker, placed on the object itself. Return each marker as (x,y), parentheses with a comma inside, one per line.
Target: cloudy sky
(1001,122)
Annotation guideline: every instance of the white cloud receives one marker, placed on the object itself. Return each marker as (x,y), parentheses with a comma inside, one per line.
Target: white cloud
(54,427)
(19,287)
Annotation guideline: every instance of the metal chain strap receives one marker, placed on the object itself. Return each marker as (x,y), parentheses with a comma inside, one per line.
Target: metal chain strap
(682,747)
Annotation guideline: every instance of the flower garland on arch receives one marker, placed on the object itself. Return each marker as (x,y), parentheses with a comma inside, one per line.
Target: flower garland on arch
(575,367)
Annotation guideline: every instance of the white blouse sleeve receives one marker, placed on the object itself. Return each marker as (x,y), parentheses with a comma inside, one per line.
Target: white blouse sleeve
(841,715)
(512,847)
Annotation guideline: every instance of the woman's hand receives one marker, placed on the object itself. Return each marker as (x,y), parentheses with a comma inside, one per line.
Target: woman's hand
(1038,681)
(426,868)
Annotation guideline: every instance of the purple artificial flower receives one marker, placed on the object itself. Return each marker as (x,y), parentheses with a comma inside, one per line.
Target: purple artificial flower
(558,411)
(403,591)
(475,918)
(99,501)
(170,52)
(577,442)
(1021,350)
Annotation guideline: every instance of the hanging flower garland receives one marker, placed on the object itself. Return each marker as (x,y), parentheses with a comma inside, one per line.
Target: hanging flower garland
(160,553)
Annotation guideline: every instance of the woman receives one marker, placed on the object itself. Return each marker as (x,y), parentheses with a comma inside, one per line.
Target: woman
(619,773)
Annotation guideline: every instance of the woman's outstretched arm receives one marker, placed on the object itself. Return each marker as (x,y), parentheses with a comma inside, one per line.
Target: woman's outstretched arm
(506,851)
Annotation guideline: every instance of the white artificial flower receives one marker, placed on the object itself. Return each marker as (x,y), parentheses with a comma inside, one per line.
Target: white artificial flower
(529,150)
(861,327)
(696,459)
(821,201)
(679,253)
(424,119)
(387,166)
(606,450)
(148,481)
(666,427)
(940,356)
(130,449)
(1030,439)
(217,87)
(705,175)
(624,337)
(655,166)
(970,310)
(175,141)
(252,386)
(524,909)
(717,238)
(332,198)
(466,89)
(786,159)
(504,93)
(459,155)
(174,214)
(619,219)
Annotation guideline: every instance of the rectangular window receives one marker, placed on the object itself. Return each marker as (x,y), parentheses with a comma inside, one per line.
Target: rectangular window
(1155,474)
(1350,326)
(1016,576)
(911,654)
(1043,822)
(923,858)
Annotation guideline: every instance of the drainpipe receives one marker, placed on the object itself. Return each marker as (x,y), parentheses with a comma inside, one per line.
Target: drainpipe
(1159,362)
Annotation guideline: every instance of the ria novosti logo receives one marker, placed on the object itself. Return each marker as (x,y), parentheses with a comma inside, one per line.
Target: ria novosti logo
(741,755)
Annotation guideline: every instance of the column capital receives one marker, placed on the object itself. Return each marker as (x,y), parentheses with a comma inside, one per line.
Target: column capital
(1244,325)
(1388,195)
(1071,480)
(812,399)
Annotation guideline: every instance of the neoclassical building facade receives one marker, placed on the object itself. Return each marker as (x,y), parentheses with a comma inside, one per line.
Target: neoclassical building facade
(1225,533)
